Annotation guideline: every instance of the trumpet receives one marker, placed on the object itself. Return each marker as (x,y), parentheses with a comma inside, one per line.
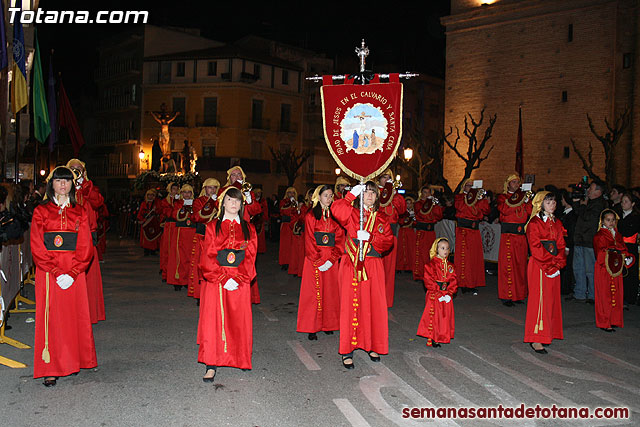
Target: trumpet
(528,195)
(481,193)
(435,201)
(246,186)
(397,183)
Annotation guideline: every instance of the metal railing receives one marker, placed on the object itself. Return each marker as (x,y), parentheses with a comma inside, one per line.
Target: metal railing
(116,68)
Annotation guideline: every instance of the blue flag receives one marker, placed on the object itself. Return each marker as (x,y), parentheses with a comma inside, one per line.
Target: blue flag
(19,96)
(52,105)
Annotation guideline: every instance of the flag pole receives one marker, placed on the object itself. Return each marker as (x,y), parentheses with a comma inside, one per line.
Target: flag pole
(17,157)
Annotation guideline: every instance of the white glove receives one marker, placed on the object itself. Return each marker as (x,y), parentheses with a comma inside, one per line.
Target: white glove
(80,180)
(551,276)
(363,235)
(231,285)
(247,197)
(324,267)
(214,197)
(441,298)
(188,202)
(357,189)
(447,298)
(293,199)
(177,196)
(628,260)
(566,251)
(64,281)
(1,310)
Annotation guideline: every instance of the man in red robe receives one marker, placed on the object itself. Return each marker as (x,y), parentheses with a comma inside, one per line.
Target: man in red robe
(181,241)
(150,230)
(515,208)
(168,222)
(428,212)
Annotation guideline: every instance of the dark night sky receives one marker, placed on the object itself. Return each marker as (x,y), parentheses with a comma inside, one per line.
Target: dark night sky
(410,37)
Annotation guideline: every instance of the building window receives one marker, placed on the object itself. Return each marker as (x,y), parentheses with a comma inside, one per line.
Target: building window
(165,72)
(627,60)
(566,152)
(210,112)
(212,68)
(565,96)
(256,149)
(570,33)
(256,70)
(208,148)
(285,117)
(179,104)
(256,113)
(285,77)
(180,69)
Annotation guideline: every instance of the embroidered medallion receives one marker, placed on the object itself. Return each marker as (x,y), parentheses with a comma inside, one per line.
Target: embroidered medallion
(58,241)
(231,257)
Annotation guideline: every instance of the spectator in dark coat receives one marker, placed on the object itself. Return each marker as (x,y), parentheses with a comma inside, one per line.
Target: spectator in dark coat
(568,217)
(629,227)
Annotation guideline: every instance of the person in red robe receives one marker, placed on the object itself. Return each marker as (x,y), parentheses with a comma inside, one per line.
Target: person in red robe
(319,303)
(428,212)
(438,323)
(150,230)
(205,209)
(471,207)
(225,331)
(289,211)
(341,187)
(181,241)
(296,251)
(392,205)
(259,221)
(168,223)
(611,258)
(88,194)
(545,235)
(62,248)
(363,302)
(515,208)
(406,238)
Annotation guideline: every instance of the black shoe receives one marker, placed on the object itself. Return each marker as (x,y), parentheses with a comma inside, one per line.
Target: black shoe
(435,344)
(375,358)
(474,292)
(198,302)
(313,336)
(245,370)
(284,267)
(572,298)
(608,329)
(328,332)
(7,327)
(590,301)
(177,288)
(209,379)
(50,382)
(541,351)
(518,302)
(345,359)
(508,303)
(465,290)
(625,307)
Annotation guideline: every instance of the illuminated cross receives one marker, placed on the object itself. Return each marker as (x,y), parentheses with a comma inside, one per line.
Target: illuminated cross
(362,52)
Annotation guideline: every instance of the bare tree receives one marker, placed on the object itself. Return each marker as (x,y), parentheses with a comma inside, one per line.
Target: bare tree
(426,163)
(473,157)
(289,161)
(609,141)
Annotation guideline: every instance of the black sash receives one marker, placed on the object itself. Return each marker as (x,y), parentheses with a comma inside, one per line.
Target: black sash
(185,224)
(170,220)
(94,236)
(511,228)
(230,257)
(201,228)
(371,252)
(426,226)
(395,229)
(60,240)
(325,238)
(468,223)
(550,246)
(443,285)
(285,218)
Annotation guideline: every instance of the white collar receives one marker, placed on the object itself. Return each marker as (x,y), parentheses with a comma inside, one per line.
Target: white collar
(64,205)
(625,213)
(226,218)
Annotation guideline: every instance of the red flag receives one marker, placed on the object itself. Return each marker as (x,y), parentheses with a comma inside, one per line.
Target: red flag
(519,149)
(67,119)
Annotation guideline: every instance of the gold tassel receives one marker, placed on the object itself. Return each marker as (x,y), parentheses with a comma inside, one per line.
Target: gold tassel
(177,276)
(46,357)
(539,324)
(224,334)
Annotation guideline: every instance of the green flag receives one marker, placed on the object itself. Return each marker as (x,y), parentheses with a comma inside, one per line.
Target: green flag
(41,125)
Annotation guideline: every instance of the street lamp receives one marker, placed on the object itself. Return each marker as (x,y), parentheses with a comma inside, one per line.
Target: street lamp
(141,154)
(337,171)
(42,172)
(408,154)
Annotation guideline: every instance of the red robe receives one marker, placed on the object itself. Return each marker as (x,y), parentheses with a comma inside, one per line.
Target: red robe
(296,254)
(181,245)
(290,211)
(406,244)
(201,217)
(512,258)
(469,256)
(392,213)
(544,312)
(608,289)
(362,298)
(169,224)
(319,305)
(148,242)
(438,322)
(68,323)
(427,214)
(225,329)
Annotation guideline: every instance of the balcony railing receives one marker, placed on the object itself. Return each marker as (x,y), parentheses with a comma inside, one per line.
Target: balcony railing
(115,170)
(117,68)
(288,127)
(113,136)
(259,124)
(116,102)
(202,121)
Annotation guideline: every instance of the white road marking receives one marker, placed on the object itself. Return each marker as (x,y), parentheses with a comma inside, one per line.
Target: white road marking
(565,357)
(269,315)
(504,316)
(351,413)
(612,399)
(304,356)
(611,359)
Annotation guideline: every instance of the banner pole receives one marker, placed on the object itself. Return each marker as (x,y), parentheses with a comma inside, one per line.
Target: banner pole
(360,244)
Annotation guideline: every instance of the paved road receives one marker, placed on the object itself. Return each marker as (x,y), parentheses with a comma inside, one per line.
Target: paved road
(148,374)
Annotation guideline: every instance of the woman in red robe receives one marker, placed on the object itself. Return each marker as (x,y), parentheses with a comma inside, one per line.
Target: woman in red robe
(288,212)
(406,238)
(181,242)
(363,302)
(150,230)
(611,258)
(168,223)
(438,323)
(471,207)
(62,249)
(428,212)
(225,329)
(545,235)
(205,209)
(319,305)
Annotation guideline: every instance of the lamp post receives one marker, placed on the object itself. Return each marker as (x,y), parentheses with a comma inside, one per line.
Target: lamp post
(337,171)
(408,154)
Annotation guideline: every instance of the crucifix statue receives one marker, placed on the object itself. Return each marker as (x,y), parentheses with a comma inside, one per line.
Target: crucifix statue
(165,118)
(362,52)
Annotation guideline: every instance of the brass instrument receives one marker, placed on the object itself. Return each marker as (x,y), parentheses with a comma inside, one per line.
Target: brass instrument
(481,193)
(397,183)
(246,186)
(528,195)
